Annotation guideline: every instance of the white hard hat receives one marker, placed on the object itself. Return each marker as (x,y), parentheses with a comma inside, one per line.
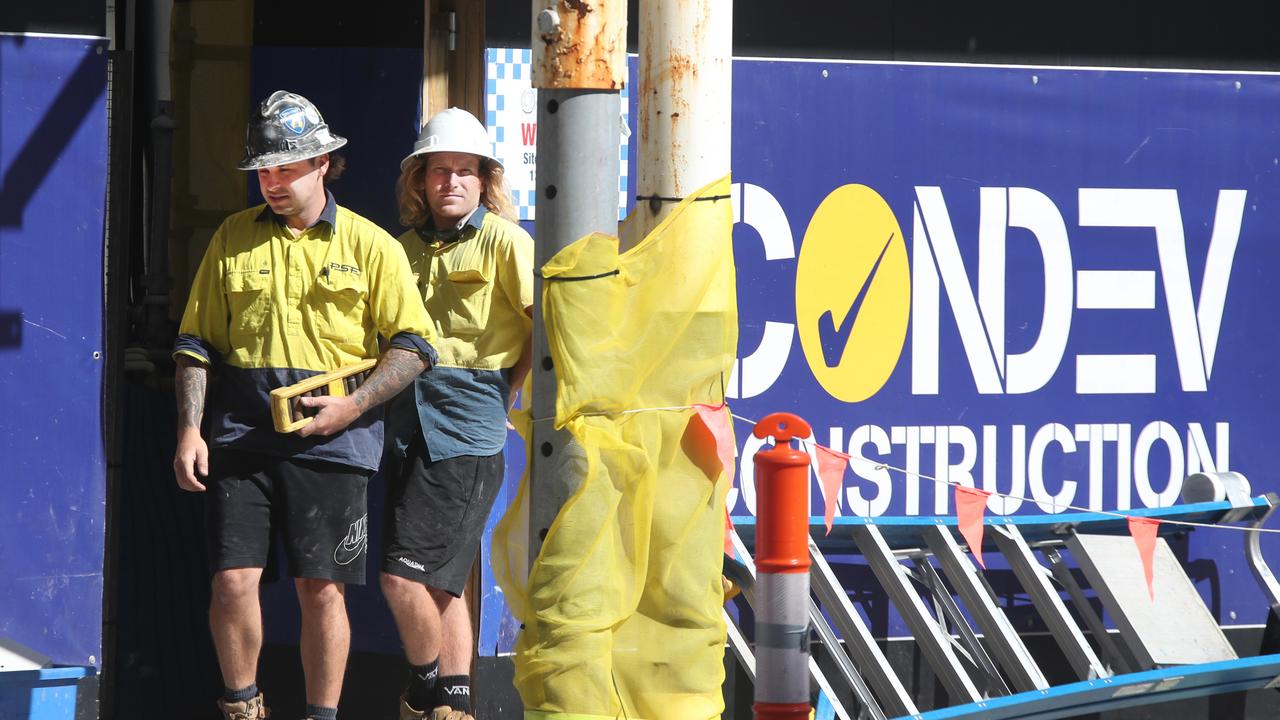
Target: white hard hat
(452,130)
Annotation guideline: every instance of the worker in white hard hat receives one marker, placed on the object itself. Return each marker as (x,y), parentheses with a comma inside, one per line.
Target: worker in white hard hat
(445,433)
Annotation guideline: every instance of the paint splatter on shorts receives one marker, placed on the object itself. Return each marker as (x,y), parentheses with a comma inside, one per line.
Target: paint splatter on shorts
(315,508)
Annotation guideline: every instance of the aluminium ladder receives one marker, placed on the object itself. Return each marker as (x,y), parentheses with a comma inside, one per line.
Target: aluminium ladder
(977,654)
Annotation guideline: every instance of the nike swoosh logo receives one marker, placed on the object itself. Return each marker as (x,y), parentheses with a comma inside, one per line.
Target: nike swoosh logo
(347,552)
(835,340)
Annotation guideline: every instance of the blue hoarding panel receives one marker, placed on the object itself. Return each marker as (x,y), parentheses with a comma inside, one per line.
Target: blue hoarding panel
(1052,283)
(497,627)
(53,166)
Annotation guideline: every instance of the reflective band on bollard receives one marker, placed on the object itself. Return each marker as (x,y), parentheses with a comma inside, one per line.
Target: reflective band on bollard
(782,566)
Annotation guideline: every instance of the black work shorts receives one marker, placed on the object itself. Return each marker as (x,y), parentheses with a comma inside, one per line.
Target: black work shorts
(435,515)
(316,508)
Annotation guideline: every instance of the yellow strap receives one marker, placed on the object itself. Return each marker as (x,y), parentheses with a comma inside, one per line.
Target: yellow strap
(540,715)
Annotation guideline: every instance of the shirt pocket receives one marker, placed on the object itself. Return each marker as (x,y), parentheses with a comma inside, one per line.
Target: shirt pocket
(341,301)
(470,294)
(248,302)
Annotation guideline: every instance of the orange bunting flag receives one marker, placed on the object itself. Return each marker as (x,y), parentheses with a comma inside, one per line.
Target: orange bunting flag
(716,419)
(728,534)
(971,505)
(1143,531)
(831,465)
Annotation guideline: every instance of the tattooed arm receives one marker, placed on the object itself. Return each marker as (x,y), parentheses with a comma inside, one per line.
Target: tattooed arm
(395,371)
(192,457)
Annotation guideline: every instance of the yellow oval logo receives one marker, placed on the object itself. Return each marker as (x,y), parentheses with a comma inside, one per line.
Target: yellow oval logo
(853,293)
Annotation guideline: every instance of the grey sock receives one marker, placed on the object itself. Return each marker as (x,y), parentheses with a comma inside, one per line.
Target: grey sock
(320,712)
(241,695)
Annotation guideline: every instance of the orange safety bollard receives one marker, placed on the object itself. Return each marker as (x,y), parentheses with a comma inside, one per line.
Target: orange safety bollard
(782,563)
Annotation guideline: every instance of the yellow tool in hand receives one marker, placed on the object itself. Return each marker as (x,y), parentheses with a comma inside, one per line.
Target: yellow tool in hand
(287,414)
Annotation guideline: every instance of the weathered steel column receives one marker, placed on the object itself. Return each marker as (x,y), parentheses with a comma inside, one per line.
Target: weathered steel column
(579,68)
(685,99)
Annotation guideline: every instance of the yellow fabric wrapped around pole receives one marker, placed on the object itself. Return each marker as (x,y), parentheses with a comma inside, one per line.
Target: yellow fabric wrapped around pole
(621,610)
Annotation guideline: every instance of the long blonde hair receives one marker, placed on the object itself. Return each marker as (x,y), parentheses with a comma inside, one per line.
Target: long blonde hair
(412,196)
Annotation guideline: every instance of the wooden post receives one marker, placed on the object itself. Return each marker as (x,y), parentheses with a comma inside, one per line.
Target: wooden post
(453,56)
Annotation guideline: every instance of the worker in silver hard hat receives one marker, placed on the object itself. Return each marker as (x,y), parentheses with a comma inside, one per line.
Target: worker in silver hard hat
(287,290)
(474,266)
(286,128)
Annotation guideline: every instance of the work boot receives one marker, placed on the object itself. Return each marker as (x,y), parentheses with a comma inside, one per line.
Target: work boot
(408,713)
(251,709)
(444,712)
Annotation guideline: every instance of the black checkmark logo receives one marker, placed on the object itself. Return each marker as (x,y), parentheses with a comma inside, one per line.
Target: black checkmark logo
(834,340)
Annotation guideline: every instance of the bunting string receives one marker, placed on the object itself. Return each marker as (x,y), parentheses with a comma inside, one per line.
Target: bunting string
(997,493)
(885,466)
(603,413)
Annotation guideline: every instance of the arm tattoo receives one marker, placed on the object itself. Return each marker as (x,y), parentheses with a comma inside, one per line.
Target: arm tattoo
(395,371)
(191,384)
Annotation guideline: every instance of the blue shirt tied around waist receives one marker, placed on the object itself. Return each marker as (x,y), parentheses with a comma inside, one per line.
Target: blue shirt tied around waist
(461,409)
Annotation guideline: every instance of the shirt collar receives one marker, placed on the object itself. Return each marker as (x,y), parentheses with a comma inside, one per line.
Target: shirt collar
(328,215)
(428,232)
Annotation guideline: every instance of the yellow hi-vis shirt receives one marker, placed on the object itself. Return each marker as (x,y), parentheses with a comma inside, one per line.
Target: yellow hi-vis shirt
(476,284)
(267,310)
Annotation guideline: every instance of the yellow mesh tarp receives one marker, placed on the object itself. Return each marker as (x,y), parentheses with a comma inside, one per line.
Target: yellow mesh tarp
(622,608)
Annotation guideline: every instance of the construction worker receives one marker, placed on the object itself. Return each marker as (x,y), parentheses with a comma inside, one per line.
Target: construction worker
(474,268)
(288,290)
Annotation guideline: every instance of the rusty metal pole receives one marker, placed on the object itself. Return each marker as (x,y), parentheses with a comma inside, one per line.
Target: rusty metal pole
(685,102)
(579,68)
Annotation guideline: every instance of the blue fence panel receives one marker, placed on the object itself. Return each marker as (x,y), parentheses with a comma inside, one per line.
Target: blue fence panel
(1053,283)
(53,165)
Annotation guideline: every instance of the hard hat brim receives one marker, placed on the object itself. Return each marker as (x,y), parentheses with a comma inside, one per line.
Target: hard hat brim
(276,159)
(447,148)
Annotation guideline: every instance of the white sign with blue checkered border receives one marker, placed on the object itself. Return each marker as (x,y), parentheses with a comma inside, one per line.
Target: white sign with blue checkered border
(511,115)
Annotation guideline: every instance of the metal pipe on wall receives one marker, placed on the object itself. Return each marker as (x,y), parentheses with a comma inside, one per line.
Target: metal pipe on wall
(161,13)
(684,104)
(156,326)
(579,68)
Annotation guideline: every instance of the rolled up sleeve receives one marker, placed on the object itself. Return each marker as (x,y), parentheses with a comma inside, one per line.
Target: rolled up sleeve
(203,332)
